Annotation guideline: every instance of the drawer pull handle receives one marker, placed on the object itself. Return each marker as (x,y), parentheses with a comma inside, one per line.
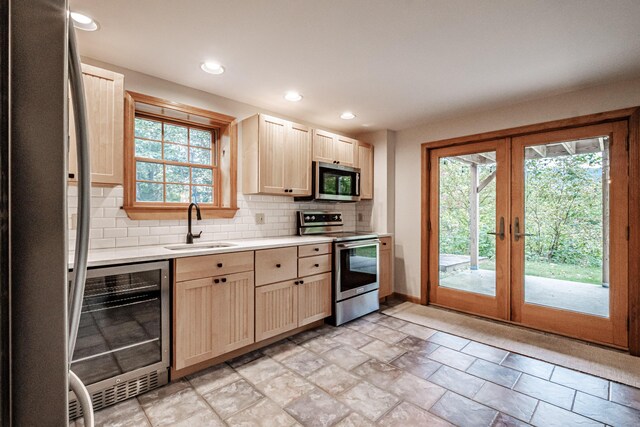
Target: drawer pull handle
(216,280)
(316,265)
(223,280)
(219,265)
(316,249)
(278,265)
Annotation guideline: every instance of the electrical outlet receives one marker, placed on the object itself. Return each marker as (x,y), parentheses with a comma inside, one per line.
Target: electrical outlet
(360,217)
(259,218)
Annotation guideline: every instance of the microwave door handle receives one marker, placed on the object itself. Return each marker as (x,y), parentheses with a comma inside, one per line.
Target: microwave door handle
(357,183)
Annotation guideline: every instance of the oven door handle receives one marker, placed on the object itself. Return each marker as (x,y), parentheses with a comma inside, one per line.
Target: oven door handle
(358,245)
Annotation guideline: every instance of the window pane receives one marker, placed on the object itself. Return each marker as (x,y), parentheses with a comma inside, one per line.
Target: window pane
(148,192)
(148,149)
(201,176)
(177,193)
(149,171)
(200,156)
(201,138)
(202,194)
(176,153)
(174,133)
(177,174)
(148,129)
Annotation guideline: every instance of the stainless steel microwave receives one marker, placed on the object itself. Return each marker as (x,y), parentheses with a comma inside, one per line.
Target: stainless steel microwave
(334,183)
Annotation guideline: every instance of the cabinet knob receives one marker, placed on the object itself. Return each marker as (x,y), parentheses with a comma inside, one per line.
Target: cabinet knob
(384,243)
(216,280)
(278,265)
(316,249)
(338,162)
(224,280)
(296,282)
(219,265)
(302,282)
(316,265)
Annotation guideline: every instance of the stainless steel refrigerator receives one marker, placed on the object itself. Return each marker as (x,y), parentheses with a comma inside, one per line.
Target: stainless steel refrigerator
(34,295)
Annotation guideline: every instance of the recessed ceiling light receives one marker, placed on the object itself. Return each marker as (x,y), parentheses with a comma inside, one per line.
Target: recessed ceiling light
(83,22)
(212,67)
(292,96)
(347,115)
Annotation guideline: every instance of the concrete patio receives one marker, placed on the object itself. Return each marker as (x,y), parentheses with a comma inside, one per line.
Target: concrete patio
(574,296)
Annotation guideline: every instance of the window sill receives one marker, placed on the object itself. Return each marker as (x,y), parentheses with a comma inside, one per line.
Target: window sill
(180,212)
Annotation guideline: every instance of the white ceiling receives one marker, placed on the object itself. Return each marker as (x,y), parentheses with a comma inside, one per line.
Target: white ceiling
(394,63)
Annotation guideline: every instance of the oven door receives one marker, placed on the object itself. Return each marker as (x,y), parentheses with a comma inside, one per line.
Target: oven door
(357,268)
(337,183)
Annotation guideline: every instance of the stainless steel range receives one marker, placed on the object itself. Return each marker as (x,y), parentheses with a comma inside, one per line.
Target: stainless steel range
(356,266)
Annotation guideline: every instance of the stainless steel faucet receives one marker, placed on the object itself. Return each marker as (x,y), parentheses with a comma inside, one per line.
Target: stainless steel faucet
(190,235)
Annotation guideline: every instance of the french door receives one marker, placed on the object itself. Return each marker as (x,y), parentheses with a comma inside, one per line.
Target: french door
(533,230)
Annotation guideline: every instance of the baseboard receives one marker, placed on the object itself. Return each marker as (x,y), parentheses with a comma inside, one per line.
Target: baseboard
(409,298)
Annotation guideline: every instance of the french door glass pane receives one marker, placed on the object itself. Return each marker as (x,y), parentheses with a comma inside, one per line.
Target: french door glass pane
(467,213)
(567,222)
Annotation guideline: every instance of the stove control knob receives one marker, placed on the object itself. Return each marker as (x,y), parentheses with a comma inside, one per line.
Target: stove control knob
(336,217)
(307,218)
(313,217)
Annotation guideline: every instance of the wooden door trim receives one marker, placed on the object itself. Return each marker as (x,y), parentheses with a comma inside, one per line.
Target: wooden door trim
(573,122)
(632,115)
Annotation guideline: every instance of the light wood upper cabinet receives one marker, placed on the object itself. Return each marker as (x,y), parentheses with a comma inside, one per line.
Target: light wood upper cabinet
(104,93)
(386,267)
(365,163)
(276,156)
(332,148)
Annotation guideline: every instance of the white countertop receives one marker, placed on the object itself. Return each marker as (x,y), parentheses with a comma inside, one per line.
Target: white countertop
(100,257)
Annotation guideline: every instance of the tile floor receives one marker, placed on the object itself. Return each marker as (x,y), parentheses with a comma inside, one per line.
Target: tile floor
(379,370)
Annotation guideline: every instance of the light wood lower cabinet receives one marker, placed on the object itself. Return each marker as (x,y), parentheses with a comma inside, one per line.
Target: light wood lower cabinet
(386,267)
(284,306)
(276,309)
(213,316)
(314,298)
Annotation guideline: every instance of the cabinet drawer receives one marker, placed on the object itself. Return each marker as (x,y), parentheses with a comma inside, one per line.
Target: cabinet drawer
(311,250)
(213,265)
(314,265)
(386,243)
(276,265)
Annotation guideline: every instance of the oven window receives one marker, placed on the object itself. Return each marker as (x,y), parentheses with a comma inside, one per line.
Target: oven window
(358,267)
(120,325)
(337,183)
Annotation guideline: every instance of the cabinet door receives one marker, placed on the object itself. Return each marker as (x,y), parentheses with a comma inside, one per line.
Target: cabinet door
(194,321)
(213,315)
(104,93)
(365,163)
(234,301)
(276,309)
(386,268)
(314,298)
(297,160)
(272,133)
(323,146)
(345,150)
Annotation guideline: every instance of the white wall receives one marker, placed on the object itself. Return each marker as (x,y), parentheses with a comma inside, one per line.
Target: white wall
(407,186)
(110,226)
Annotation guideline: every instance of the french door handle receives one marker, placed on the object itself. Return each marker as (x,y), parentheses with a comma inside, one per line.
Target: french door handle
(516,231)
(500,232)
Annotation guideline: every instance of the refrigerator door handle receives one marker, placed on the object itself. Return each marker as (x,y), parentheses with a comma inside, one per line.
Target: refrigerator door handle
(76,293)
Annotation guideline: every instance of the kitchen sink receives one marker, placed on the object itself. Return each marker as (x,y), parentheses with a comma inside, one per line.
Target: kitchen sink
(203,245)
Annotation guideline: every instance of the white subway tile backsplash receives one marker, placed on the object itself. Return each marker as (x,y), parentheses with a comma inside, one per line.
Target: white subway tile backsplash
(111,228)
